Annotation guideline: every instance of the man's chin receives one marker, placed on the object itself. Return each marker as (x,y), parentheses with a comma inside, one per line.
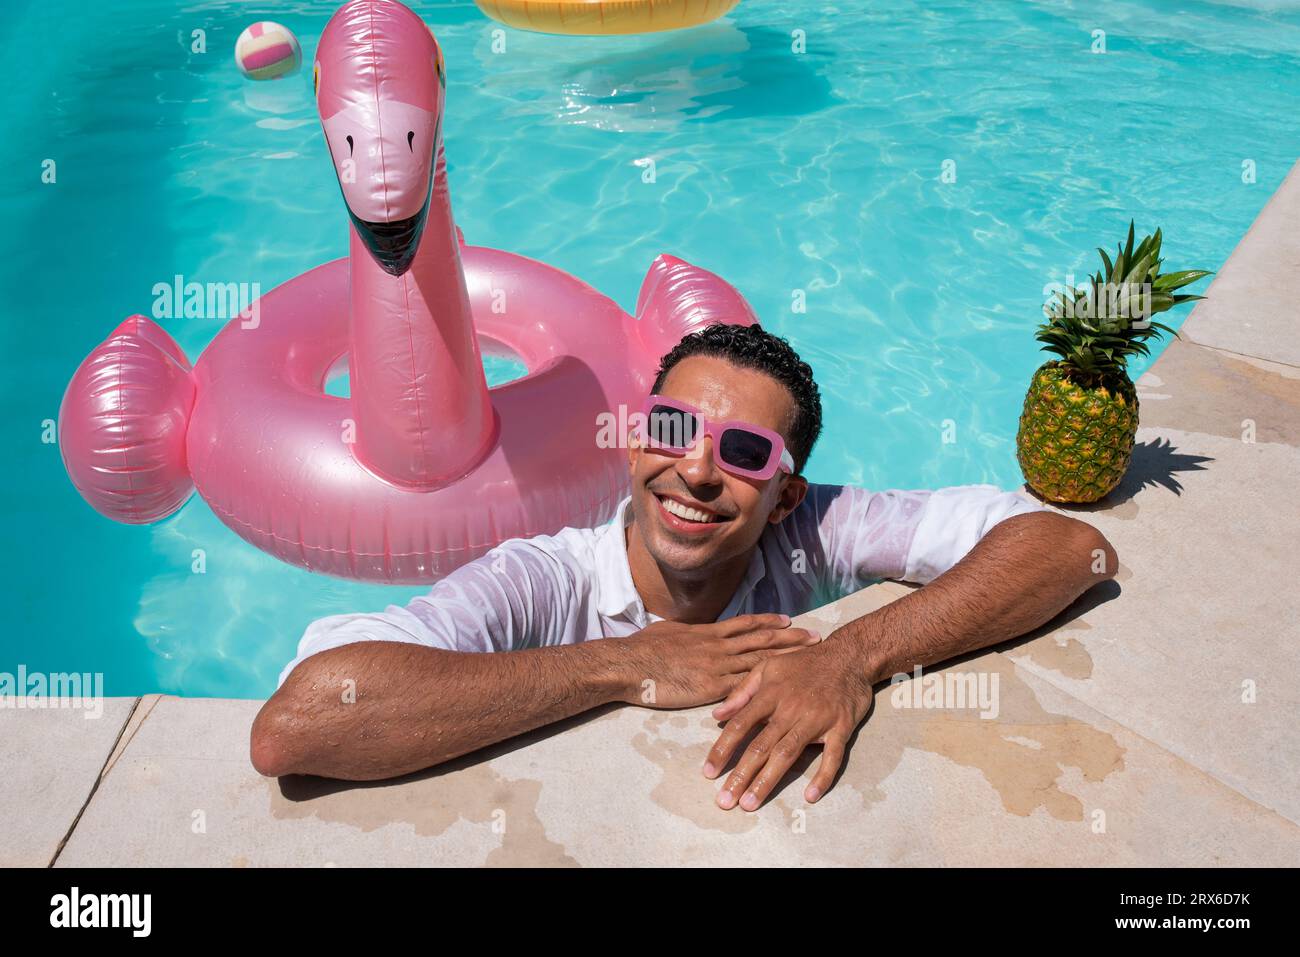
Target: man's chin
(686,563)
(683,557)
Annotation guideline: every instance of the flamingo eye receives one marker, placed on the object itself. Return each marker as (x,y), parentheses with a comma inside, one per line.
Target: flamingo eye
(315,79)
(410,140)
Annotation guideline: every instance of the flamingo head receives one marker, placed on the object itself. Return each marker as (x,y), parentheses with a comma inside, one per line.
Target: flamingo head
(380,82)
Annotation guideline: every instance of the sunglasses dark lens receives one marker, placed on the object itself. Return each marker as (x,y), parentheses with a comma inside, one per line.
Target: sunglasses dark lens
(744,449)
(672,428)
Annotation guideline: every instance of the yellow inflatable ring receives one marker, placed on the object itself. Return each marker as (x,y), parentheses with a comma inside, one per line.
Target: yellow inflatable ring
(604,17)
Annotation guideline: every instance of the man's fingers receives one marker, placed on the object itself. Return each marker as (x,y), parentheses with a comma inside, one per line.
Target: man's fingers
(743,664)
(743,623)
(732,735)
(773,652)
(827,767)
(773,638)
(783,756)
(740,664)
(740,696)
(751,763)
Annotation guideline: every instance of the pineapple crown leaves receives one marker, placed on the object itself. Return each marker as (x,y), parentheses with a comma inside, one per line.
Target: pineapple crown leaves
(1097,328)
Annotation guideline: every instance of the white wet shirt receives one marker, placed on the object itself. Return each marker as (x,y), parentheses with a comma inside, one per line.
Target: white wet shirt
(576,585)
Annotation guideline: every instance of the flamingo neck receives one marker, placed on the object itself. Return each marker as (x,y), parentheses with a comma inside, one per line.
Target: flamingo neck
(420,402)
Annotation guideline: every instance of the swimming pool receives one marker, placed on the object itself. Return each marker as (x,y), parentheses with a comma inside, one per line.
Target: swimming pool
(818,172)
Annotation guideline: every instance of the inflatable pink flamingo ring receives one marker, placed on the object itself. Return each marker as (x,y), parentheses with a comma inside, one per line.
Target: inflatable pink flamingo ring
(422,468)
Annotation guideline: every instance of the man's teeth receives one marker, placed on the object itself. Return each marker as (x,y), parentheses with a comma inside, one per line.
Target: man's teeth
(685,511)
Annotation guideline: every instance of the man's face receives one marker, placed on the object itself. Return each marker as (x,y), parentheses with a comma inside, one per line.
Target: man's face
(739,508)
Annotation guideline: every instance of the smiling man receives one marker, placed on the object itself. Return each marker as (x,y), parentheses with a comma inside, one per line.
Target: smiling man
(689,590)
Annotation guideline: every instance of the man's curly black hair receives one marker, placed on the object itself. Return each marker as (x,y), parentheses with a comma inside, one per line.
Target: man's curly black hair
(752,347)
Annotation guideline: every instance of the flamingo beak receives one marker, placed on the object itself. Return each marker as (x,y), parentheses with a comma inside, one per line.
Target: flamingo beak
(392,245)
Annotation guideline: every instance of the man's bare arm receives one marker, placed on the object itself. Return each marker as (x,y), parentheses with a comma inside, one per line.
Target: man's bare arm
(379,709)
(1023,573)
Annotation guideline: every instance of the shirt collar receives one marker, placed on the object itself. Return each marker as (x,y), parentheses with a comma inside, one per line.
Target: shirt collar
(756,572)
(618,595)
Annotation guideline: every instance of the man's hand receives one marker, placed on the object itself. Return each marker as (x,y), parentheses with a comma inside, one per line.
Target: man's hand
(818,696)
(672,665)
(1018,577)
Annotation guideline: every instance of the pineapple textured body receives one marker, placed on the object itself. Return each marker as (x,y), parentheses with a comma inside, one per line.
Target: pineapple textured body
(1076,438)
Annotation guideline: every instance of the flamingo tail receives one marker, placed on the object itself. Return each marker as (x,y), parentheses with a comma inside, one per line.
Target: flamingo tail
(678,299)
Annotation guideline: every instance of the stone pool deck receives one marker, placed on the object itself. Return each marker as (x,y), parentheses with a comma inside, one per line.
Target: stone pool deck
(1155,723)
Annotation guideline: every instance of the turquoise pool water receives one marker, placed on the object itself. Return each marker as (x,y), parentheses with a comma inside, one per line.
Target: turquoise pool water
(818,172)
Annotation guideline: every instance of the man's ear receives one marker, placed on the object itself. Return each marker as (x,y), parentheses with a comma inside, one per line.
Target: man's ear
(791,495)
(633,449)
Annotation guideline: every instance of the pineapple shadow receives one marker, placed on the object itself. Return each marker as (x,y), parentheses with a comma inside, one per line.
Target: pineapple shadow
(1154,464)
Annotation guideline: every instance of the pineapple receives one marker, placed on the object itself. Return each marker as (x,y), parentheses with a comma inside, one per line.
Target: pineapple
(1081,412)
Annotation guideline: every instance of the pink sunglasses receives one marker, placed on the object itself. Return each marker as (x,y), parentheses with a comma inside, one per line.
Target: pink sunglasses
(741,448)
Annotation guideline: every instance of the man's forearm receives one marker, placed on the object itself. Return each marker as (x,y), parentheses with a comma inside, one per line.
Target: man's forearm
(375,709)
(1023,573)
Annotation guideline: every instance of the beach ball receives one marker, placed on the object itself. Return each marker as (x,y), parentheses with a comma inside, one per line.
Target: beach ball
(267,51)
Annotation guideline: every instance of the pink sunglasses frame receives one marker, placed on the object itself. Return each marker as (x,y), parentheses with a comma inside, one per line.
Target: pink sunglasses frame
(779,460)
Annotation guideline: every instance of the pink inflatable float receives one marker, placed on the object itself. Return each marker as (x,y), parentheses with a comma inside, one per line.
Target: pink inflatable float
(423,468)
